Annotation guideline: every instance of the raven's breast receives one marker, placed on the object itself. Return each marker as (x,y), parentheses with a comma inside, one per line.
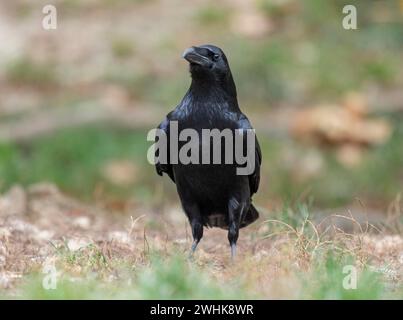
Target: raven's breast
(212,179)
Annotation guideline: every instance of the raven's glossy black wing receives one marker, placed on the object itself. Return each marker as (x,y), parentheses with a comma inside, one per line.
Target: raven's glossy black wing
(160,167)
(254,177)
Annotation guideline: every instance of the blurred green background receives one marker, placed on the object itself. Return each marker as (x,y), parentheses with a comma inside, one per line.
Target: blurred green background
(77,102)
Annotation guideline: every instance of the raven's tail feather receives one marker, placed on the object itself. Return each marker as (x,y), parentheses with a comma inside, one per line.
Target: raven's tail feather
(221,221)
(251,216)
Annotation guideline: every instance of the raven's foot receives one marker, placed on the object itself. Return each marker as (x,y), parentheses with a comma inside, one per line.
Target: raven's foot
(233,252)
(193,248)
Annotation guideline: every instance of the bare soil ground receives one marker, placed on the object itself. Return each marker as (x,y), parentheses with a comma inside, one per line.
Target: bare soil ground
(39,225)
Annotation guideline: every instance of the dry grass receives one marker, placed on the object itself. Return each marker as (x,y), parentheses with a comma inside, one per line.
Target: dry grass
(100,254)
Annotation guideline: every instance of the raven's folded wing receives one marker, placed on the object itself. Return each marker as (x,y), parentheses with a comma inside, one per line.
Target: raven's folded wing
(254,177)
(165,167)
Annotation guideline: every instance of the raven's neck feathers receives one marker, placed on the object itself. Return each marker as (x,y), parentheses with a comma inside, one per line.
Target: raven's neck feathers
(208,90)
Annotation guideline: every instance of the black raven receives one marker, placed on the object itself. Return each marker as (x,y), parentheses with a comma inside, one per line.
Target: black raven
(212,195)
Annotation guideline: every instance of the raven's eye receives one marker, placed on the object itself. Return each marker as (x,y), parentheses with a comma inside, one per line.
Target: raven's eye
(216,57)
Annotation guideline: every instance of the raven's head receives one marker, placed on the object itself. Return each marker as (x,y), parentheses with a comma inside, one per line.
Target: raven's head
(206,58)
(208,62)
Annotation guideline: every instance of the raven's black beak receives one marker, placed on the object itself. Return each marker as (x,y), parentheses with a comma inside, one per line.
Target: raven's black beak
(193,56)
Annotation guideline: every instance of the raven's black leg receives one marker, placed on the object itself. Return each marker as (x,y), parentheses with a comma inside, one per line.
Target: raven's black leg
(196,223)
(235,211)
